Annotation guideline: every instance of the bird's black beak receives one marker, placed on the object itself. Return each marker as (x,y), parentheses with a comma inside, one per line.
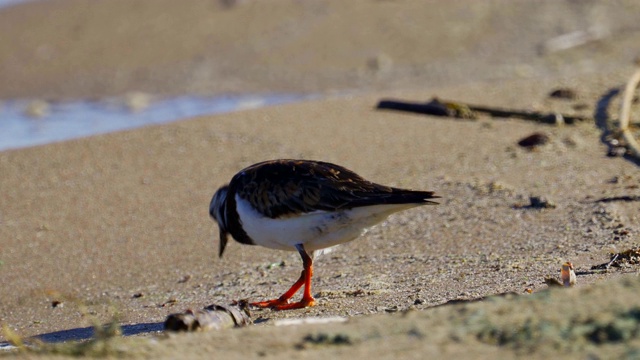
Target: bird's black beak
(224,237)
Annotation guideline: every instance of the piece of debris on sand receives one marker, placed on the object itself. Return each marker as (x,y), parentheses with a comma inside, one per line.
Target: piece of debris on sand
(622,259)
(212,317)
(534,140)
(567,277)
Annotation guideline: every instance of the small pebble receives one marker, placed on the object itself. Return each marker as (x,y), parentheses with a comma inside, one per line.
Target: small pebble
(580,107)
(37,109)
(137,101)
(541,202)
(534,140)
(563,93)
(380,63)
(616,151)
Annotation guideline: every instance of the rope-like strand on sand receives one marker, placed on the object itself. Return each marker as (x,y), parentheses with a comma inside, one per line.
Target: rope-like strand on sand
(625,112)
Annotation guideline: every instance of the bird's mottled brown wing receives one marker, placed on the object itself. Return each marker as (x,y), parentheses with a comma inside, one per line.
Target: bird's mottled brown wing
(287,187)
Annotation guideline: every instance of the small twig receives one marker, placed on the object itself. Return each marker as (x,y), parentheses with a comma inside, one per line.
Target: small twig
(625,113)
(575,39)
(547,118)
(615,257)
(438,107)
(626,198)
(435,107)
(482,298)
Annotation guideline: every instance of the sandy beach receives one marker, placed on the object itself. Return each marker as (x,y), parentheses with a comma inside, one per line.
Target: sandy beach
(116,226)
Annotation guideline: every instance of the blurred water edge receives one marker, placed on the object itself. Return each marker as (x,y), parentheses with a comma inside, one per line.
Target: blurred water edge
(5,3)
(26,123)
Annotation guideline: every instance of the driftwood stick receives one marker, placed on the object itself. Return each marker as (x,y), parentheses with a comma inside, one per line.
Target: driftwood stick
(547,118)
(212,317)
(434,108)
(625,114)
(438,107)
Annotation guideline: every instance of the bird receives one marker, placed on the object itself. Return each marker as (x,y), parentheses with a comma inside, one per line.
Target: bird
(305,206)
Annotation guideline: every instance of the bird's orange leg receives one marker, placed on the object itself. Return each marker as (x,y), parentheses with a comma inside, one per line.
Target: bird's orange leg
(284,299)
(282,303)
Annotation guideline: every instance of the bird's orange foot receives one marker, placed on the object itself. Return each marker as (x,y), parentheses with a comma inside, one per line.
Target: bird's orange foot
(279,304)
(296,305)
(269,303)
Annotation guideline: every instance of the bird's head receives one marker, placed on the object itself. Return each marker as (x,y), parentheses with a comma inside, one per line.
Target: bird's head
(218,211)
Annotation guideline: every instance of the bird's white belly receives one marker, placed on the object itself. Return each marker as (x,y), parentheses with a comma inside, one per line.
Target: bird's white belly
(315,230)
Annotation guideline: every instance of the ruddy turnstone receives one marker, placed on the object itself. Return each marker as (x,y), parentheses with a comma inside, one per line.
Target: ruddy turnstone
(304,206)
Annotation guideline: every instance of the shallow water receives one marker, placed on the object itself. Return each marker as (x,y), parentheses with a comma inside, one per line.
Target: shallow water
(4,3)
(26,123)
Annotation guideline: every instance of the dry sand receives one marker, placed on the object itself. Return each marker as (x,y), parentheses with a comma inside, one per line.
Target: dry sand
(117,225)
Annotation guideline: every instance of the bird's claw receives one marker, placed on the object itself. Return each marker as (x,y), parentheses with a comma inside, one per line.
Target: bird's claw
(280,304)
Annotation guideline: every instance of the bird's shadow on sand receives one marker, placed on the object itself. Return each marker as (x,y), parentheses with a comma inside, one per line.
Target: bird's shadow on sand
(86,333)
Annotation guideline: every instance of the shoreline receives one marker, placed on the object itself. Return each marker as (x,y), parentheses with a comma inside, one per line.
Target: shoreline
(37,122)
